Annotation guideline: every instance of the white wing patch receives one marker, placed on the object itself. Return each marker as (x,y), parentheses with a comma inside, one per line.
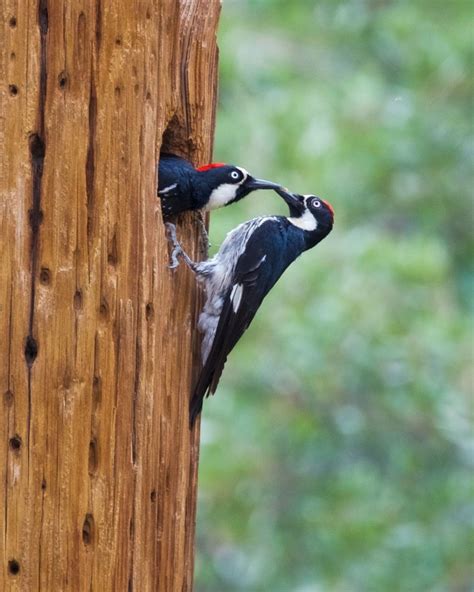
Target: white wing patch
(217,277)
(236,296)
(168,189)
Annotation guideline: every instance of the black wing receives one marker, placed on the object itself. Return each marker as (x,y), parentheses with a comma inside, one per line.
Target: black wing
(174,174)
(257,270)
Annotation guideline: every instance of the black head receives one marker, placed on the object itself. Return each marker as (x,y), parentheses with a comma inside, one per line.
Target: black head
(309,212)
(226,183)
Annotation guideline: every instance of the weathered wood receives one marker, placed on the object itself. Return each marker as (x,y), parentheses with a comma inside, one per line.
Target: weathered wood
(97,336)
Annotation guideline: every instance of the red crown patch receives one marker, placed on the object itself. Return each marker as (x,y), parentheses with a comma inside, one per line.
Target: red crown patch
(213,165)
(330,208)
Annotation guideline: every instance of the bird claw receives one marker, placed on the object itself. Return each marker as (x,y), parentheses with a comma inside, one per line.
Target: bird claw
(171,232)
(174,260)
(177,249)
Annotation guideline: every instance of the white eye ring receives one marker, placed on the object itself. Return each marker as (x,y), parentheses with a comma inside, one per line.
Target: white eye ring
(315,203)
(234,175)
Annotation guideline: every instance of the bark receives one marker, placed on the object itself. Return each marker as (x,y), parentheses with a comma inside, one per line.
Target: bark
(97,337)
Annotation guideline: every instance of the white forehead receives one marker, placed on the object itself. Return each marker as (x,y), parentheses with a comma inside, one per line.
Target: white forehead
(244,172)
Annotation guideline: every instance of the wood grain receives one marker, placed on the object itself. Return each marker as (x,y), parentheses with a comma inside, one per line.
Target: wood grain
(98,341)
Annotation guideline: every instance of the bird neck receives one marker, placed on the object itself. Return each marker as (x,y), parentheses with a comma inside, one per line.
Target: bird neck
(306,221)
(312,230)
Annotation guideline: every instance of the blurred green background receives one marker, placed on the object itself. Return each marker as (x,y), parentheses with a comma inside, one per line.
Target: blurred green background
(338,452)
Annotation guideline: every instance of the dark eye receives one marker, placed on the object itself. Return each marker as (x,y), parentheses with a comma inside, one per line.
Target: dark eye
(315,203)
(235,175)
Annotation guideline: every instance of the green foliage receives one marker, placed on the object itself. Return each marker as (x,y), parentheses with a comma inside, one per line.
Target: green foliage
(337,452)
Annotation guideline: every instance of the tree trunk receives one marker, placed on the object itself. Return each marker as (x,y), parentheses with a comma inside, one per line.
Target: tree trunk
(97,336)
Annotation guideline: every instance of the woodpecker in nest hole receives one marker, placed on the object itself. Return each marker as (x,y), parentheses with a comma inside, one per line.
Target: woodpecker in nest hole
(183,187)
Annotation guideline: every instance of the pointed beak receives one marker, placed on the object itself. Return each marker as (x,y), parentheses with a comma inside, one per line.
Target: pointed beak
(251,184)
(294,201)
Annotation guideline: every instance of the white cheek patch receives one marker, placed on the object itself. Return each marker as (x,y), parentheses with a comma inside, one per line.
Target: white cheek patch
(236,296)
(221,196)
(225,193)
(306,222)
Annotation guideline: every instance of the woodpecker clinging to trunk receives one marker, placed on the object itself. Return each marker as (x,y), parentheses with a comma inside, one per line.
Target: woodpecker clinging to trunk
(182,187)
(249,262)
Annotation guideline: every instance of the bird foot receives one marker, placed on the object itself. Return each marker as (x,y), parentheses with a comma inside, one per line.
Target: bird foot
(177,248)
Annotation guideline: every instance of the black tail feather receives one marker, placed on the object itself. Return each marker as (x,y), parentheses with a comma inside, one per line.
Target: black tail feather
(195,407)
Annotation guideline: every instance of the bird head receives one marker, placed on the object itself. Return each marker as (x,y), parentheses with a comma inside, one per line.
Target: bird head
(226,183)
(309,212)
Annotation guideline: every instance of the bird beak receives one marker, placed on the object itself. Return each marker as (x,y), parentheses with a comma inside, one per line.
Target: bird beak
(252,184)
(294,201)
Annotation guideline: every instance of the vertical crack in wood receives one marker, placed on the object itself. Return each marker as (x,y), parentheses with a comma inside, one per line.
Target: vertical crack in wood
(136,386)
(90,160)
(187,22)
(40,549)
(8,399)
(37,155)
(98,24)
(88,530)
(134,454)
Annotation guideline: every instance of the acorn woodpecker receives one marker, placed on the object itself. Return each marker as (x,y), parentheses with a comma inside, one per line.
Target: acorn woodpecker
(182,187)
(248,264)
